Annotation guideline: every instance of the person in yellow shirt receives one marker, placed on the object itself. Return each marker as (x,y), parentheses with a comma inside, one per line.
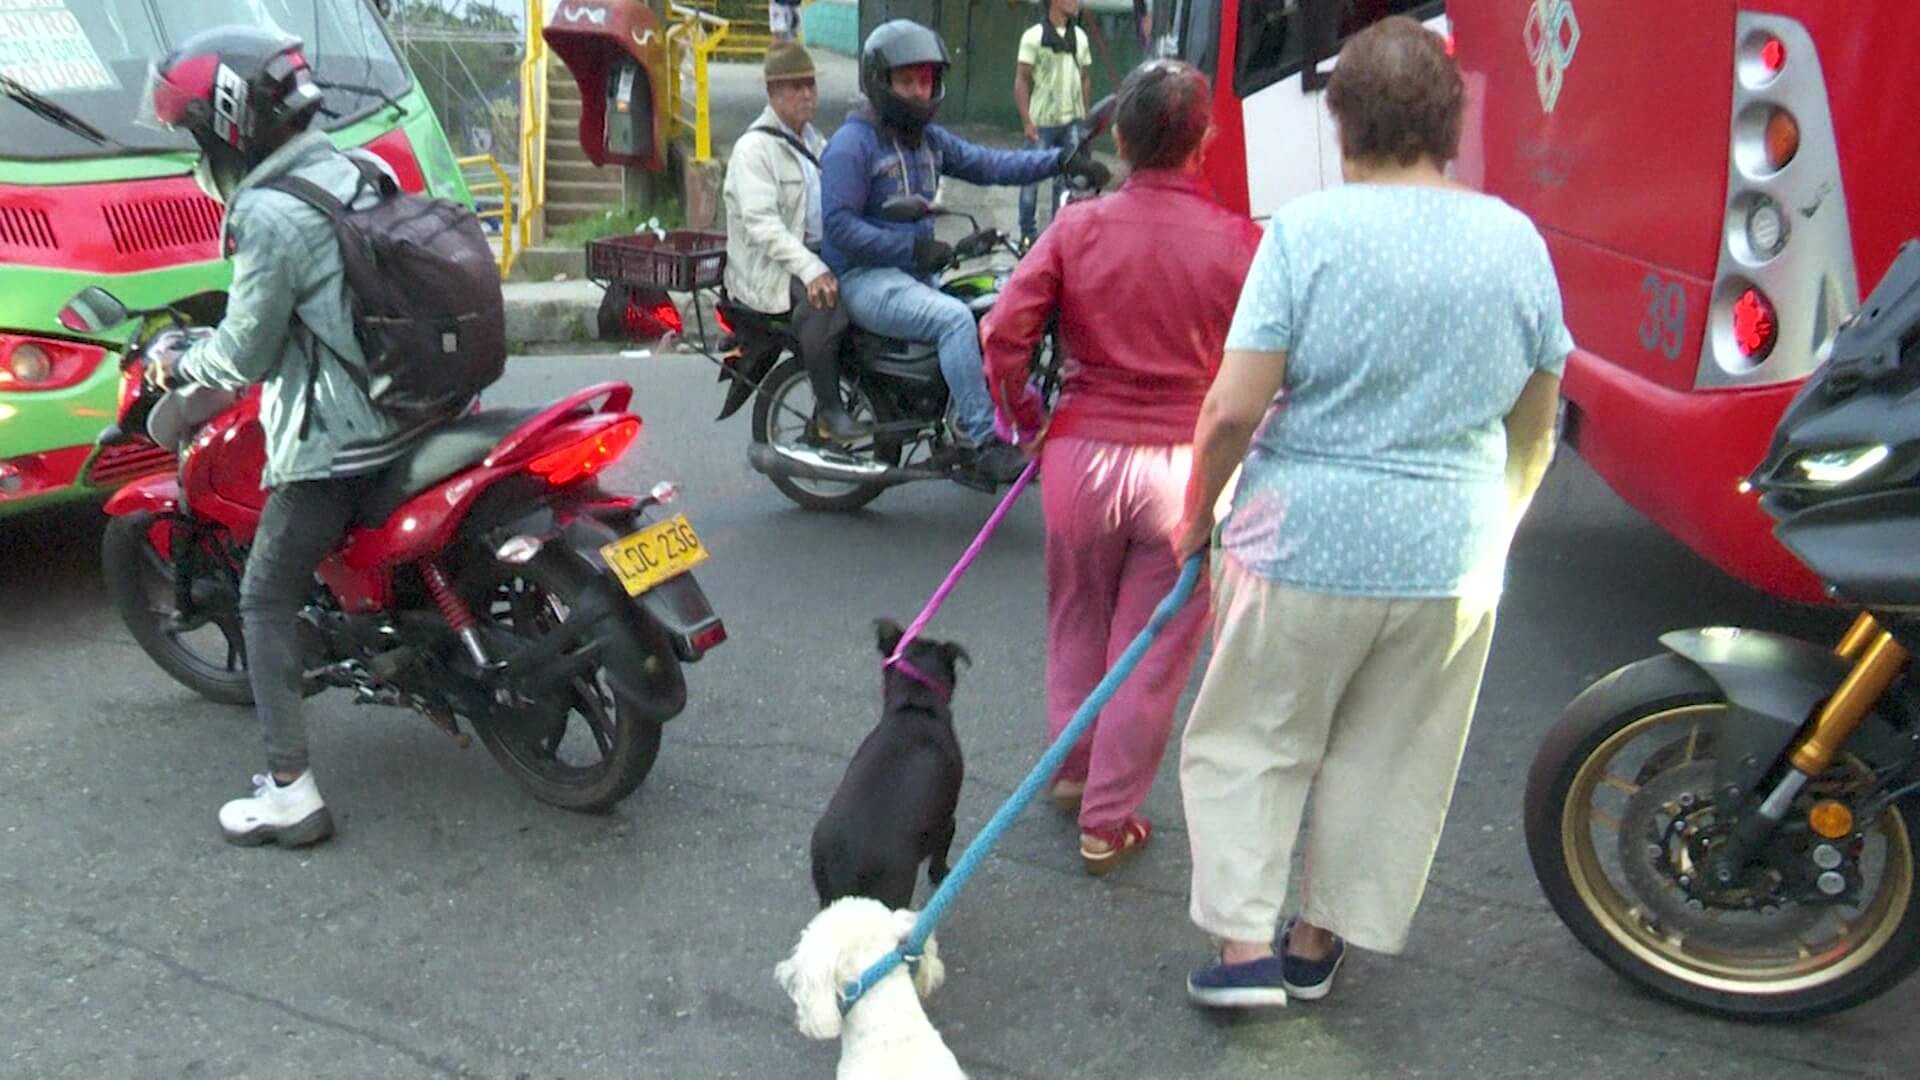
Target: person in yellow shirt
(1051,86)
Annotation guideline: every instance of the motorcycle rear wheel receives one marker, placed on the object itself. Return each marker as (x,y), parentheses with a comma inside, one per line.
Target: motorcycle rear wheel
(1634,751)
(787,391)
(527,602)
(210,660)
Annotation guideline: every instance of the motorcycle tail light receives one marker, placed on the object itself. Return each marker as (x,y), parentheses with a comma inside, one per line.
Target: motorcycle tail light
(33,364)
(720,317)
(577,461)
(650,321)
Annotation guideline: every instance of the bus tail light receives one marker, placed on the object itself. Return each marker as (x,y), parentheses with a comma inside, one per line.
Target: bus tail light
(1755,325)
(1773,55)
(1767,228)
(33,364)
(1782,139)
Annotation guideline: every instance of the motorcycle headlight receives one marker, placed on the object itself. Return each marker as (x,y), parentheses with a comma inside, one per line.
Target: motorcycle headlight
(1833,468)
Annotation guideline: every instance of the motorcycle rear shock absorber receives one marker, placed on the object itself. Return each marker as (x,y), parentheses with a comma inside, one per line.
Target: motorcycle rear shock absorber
(455,611)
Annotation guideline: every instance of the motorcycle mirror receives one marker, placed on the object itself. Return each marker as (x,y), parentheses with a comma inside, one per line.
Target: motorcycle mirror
(93,310)
(905,209)
(1100,117)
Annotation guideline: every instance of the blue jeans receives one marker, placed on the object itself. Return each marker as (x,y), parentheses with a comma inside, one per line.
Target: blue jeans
(899,305)
(1058,138)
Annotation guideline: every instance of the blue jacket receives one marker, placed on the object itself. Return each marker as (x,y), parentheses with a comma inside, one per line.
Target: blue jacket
(863,168)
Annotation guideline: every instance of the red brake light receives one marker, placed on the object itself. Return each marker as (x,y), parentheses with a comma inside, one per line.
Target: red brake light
(720,317)
(1755,328)
(588,456)
(651,321)
(1773,55)
(32,364)
(706,639)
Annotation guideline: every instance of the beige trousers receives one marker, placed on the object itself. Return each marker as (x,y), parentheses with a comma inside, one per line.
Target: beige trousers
(1364,702)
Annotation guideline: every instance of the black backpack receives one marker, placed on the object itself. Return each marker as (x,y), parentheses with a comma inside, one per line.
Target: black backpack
(425,288)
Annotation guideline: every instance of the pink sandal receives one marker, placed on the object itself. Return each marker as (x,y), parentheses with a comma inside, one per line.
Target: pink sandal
(1122,842)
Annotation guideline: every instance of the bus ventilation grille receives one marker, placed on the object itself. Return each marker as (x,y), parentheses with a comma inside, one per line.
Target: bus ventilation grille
(157,224)
(26,227)
(129,461)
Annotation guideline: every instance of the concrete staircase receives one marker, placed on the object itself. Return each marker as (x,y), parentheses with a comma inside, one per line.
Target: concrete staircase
(576,188)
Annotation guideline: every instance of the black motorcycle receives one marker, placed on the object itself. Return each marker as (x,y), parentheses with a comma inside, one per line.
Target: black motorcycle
(1734,824)
(893,387)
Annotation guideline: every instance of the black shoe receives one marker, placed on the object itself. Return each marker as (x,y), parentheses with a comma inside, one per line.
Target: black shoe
(832,422)
(999,461)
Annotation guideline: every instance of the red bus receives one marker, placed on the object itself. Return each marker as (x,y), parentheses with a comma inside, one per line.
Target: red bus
(1719,182)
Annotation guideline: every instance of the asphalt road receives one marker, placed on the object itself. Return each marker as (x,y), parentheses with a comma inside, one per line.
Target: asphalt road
(456,928)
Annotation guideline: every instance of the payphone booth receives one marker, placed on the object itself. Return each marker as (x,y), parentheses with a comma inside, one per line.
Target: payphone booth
(617,53)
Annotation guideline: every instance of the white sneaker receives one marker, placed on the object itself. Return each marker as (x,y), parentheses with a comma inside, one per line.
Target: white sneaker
(291,816)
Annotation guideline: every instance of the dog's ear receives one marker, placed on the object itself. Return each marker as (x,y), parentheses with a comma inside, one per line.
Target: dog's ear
(808,977)
(955,655)
(887,635)
(931,972)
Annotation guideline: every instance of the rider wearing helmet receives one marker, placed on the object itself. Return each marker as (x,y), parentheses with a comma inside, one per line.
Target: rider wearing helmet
(891,148)
(248,99)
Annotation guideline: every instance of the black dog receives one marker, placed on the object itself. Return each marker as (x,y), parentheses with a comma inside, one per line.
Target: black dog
(894,807)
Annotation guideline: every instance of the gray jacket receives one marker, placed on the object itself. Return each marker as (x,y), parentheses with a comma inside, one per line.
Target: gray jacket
(286,265)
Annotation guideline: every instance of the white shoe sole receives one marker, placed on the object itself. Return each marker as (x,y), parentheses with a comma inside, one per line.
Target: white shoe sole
(1238,997)
(1312,993)
(311,829)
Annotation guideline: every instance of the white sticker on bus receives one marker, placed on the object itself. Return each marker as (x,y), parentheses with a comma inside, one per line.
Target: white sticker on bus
(45,49)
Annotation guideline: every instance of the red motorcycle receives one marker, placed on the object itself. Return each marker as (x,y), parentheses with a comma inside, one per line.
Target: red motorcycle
(489,581)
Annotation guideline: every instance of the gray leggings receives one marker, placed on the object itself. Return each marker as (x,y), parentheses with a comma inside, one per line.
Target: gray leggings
(301,525)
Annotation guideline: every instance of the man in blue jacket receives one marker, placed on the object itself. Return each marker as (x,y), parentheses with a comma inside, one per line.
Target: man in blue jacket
(890,148)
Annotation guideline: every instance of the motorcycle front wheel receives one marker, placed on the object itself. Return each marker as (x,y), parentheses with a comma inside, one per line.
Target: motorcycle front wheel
(588,746)
(782,411)
(1620,811)
(206,655)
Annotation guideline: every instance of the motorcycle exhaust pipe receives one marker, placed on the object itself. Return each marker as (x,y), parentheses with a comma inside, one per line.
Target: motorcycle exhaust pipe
(820,463)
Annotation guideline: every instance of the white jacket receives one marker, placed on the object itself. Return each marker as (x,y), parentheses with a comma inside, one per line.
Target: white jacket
(766,195)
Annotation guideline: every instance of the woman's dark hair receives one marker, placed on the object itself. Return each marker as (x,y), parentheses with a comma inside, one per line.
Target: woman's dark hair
(1162,113)
(1397,95)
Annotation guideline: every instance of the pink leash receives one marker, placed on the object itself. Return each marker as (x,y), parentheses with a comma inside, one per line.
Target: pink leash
(960,568)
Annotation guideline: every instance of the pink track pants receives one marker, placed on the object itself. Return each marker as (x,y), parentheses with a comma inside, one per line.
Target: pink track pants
(1110,512)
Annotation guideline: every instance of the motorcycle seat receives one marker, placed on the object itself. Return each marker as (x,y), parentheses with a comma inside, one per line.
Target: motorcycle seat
(451,448)
(913,361)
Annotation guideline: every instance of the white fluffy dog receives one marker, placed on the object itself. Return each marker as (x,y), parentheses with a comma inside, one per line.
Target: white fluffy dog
(887,1037)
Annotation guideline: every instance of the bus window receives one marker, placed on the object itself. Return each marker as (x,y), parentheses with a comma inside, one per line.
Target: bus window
(1188,30)
(1360,14)
(1270,47)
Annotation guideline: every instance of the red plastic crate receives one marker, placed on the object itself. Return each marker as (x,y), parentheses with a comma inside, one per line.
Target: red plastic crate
(682,260)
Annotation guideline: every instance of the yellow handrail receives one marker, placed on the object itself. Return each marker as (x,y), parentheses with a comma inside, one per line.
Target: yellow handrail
(533,126)
(691,43)
(504,186)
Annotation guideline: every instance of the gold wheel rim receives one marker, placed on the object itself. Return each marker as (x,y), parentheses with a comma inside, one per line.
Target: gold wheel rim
(1623,919)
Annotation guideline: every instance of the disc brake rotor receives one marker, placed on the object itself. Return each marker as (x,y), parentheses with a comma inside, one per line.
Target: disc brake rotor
(1666,835)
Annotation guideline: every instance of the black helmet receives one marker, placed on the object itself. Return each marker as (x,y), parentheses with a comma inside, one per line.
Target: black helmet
(240,91)
(902,43)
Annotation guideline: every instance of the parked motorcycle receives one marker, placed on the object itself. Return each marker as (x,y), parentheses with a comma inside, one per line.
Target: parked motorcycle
(1735,824)
(893,386)
(490,580)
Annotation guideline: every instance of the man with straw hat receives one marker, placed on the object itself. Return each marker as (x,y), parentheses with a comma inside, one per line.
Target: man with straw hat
(773,230)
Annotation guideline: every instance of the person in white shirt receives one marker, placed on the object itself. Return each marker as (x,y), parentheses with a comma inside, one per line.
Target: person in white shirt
(1051,87)
(772,196)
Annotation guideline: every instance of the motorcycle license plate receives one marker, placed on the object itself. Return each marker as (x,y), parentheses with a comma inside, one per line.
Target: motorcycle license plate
(657,553)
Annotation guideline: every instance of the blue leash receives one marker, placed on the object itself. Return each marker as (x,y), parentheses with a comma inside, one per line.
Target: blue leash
(1003,819)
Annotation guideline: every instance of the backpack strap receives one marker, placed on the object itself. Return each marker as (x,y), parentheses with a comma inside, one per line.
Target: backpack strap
(790,141)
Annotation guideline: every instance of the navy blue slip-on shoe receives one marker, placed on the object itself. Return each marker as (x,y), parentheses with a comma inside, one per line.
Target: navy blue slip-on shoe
(1252,985)
(1308,980)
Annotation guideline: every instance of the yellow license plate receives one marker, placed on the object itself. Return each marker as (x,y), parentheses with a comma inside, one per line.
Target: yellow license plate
(655,554)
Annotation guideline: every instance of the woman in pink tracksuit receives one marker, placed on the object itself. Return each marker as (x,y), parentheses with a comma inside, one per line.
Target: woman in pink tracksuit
(1145,281)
